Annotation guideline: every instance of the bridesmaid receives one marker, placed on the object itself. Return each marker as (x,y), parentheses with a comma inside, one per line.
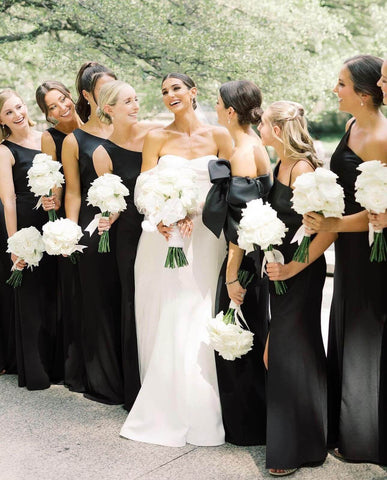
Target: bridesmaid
(295,356)
(35,299)
(246,177)
(100,288)
(357,347)
(121,154)
(54,100)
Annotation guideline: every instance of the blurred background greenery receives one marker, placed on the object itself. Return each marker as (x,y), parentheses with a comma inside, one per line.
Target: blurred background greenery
(292,49)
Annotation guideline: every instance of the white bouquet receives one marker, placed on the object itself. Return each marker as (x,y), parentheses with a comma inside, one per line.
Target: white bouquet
(61,237)
(43,176)
(227,336)
(27,245)
(260,226)
(315,192)
(166,194)
(371,193)
(106,192)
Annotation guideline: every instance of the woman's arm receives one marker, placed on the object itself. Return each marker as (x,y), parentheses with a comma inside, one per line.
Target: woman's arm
(73,181)
(8,196)
(277,271)
(49,148)
(357,222)
(235,256)
(223,141)
(151,150)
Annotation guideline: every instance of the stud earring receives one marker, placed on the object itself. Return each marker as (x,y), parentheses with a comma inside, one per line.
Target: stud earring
(228,121)
(362,104)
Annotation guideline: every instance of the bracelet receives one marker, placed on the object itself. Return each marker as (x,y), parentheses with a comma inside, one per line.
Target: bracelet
(232,281)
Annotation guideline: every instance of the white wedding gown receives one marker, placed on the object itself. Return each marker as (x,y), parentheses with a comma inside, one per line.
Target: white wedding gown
(178,402)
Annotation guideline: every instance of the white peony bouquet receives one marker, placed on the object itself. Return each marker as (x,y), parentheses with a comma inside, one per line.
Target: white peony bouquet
(61,238)
(106,192)
(318,192)
(371,193)
(166,194)
(43,176)
(227,336)
(27,244)
(260,226)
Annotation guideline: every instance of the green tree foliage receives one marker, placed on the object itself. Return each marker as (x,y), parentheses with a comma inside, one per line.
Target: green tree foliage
(292,49)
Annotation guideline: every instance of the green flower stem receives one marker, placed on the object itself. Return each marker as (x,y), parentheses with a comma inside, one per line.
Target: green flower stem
(15,280)
(175,258)
(52,216)
(302,253)
(104,244)
(379,248)
(228,317)
(74,257)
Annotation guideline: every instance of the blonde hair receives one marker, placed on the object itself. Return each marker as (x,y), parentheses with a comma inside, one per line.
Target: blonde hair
(108,95)
(294,135)
(6,94)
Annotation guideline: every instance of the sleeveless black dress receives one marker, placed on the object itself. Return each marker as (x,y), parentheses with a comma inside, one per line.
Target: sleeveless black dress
(69,345)
(35,299)
(296,388)
(101,293)
(127,165)
(241,381)
(357,347)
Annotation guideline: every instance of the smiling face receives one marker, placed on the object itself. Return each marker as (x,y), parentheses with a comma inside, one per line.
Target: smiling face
(382,83)
(176,95)
(13,114)
(126,107)
(60,107)
(349,100)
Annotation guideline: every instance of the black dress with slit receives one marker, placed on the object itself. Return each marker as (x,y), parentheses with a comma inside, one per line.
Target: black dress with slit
(101,293)
(242,381)
(36,298)
(69,344)
(127,165)
(296,388)
(357,347)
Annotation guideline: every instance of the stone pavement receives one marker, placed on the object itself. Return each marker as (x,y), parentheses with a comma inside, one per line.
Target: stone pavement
(56,434)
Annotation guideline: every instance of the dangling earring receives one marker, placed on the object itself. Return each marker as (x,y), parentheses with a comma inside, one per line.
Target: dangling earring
(228,121)
(362,104)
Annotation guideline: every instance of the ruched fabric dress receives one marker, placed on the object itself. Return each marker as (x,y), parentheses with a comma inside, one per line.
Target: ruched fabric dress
(242,381)
(127,165)
(69,345)
(36,298)
(296,389)
(357,347)
(101,293)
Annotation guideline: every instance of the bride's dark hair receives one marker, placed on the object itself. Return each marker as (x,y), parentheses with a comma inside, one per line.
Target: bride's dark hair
(188,82)
(245,98)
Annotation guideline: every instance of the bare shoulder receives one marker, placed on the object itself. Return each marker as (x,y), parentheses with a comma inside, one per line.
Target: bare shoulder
(219,133)
(302,166)
(70,140)
(6,155)
(48,144)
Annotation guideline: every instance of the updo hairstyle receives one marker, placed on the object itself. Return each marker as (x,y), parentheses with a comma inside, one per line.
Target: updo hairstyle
(245,98)
(42,91)
(365,73)
(188,82)
(108,95)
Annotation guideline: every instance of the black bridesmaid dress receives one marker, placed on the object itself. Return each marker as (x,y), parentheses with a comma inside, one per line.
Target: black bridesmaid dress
(296,388)
(242,381)
(101,293)
(35,299)
(69,345)
(357,347)
(127,165)
(7,320)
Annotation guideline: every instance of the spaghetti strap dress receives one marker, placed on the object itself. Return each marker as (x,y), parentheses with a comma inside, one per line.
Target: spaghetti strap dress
(127,165)
(36,298)
(101,293)
(69,346)
(357,346)
(242,382)
(296,389)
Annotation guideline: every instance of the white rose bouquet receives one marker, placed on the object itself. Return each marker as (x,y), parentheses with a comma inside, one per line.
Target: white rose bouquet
(61,237)
(371,193)
(43,176)
(260,226)
(227,335)
(27,245)
(106,192)
(315,192)
(167,195)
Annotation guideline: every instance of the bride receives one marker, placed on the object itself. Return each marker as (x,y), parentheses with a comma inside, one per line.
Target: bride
(179,400)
